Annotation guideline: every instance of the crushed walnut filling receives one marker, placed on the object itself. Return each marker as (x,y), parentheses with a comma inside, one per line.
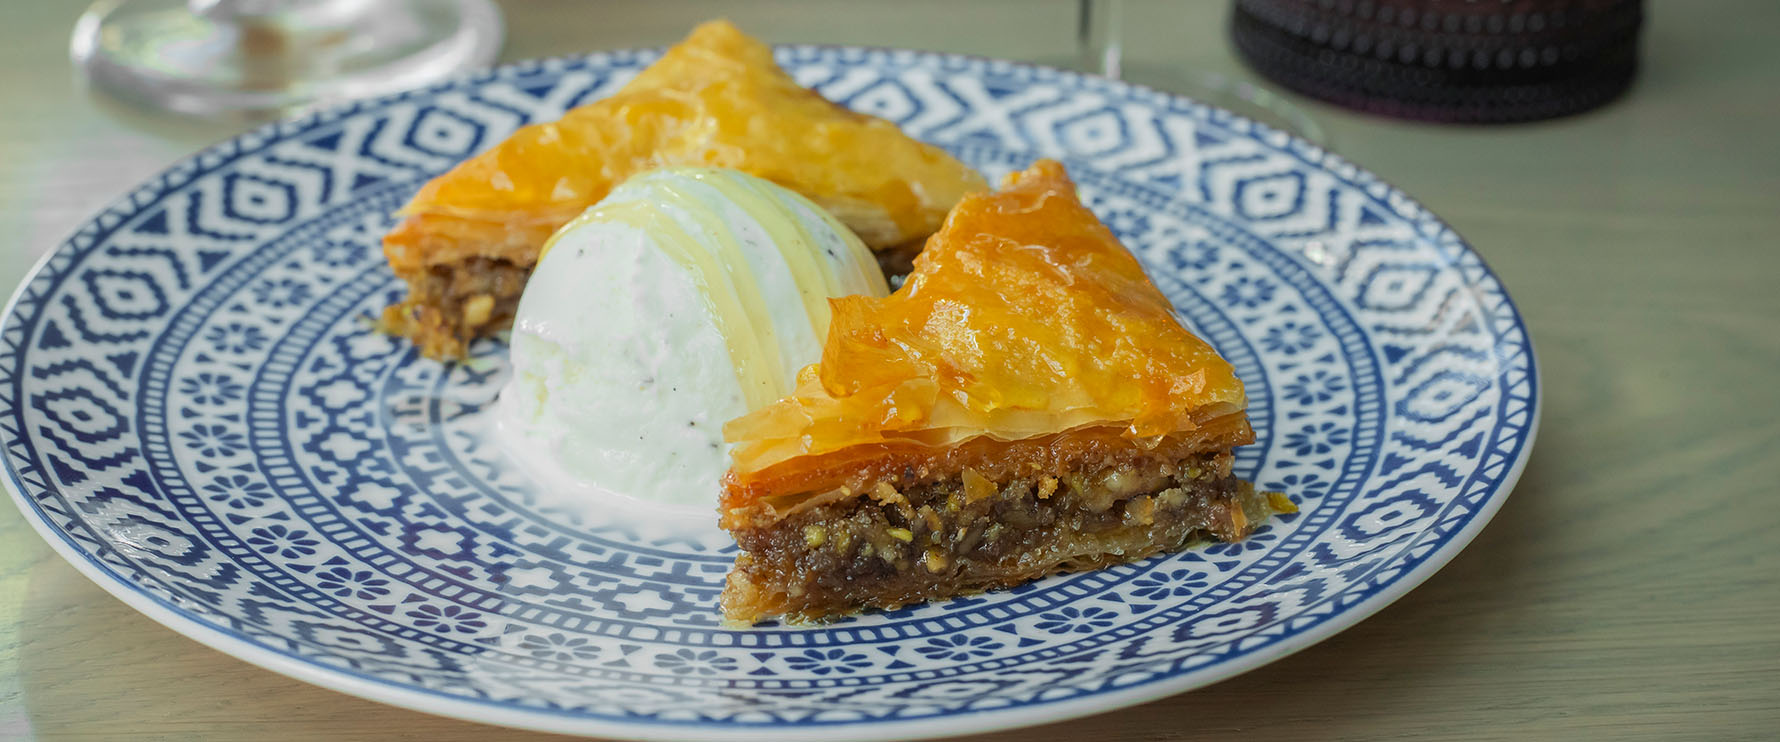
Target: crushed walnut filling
(450,305)
(891,547)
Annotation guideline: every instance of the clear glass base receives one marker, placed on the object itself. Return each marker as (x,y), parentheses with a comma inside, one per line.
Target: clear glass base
(1245,99)
(259,58)
(1100,45)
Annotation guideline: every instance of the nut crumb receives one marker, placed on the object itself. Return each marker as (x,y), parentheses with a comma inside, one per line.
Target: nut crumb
(478,309)
(936,561)
(977,486)
(885,494)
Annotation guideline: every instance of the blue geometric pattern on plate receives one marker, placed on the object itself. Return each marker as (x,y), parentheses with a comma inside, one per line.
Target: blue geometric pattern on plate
(197,414)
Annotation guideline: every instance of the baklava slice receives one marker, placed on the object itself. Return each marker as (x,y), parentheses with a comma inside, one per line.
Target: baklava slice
(1027,402)
(469,238)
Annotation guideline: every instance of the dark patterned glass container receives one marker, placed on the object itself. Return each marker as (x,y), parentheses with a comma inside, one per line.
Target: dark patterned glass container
(1469,61)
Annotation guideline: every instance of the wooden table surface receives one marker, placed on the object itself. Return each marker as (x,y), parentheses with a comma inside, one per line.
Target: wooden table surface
(1628,589)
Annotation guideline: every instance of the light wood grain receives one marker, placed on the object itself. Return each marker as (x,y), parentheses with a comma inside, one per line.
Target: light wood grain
(1627,590)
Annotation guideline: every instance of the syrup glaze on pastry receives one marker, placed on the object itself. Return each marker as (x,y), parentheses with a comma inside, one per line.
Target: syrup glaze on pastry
(1026,402)
(470,237)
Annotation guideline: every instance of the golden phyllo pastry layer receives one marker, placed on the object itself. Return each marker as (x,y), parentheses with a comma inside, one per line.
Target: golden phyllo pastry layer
(1024,316)
(717,100)
(1027,402)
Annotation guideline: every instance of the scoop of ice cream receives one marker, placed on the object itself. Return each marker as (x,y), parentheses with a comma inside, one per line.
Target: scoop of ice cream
(687,297)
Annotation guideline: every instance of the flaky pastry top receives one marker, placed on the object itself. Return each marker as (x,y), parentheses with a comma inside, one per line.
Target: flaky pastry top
(1024,316)
(716,99)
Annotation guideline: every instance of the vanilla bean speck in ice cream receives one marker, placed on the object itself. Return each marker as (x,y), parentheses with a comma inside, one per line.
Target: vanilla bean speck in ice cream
(684,299)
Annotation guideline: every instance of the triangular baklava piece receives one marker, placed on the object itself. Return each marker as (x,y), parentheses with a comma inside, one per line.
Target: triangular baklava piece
(1026,402)
(469,238)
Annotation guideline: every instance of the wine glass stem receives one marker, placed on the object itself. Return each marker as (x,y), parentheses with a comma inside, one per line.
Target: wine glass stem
(1099,34)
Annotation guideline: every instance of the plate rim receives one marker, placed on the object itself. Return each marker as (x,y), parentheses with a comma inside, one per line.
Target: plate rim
(483,711)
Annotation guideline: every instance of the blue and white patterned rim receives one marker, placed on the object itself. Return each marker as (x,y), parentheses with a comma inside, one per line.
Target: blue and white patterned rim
(197,416)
